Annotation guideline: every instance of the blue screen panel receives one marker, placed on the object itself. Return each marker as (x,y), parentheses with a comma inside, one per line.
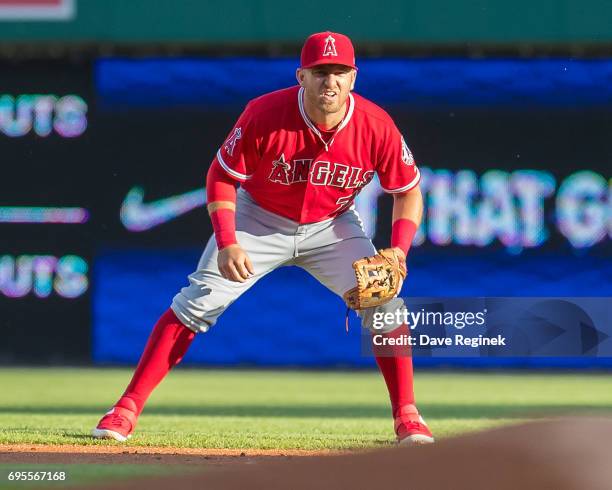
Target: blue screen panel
(422,83)
(275,323)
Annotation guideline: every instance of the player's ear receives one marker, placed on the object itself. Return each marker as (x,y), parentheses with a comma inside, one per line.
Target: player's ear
(299,75)
(354,78)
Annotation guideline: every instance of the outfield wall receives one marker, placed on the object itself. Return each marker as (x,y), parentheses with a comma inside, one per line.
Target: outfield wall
(270,22)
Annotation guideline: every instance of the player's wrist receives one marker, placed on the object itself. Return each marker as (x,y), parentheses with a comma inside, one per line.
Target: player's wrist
(228,246)
(223,244)
(224,226)
(402,235)
(400,252)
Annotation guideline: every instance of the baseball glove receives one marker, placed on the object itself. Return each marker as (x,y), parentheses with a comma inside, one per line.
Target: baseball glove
(379,279)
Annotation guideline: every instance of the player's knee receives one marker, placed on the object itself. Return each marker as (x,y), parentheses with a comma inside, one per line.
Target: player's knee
(192,320)
(384,318)
(195,314)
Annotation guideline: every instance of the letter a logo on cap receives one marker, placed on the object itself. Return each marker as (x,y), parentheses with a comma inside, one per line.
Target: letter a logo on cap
(326,48)
(330,47)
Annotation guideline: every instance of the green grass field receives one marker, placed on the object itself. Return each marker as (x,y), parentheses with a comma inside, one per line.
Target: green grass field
(282,410)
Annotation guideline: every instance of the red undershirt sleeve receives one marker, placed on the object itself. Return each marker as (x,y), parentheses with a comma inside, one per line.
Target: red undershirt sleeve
(402,234)
(221,187)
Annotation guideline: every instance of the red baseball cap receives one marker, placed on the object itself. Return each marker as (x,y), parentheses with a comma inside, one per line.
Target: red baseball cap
(328,48)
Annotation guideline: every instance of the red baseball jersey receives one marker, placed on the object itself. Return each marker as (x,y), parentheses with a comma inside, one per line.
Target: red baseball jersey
(292,168)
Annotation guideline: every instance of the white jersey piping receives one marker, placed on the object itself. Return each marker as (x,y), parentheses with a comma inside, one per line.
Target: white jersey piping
(233,173)
(407,187)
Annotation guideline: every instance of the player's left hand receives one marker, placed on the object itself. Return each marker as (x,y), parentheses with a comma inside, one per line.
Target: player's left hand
(402,258)
(400,253)
(379,279)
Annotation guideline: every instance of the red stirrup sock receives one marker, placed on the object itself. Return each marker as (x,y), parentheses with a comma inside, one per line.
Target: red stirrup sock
(165,348)
(396,367)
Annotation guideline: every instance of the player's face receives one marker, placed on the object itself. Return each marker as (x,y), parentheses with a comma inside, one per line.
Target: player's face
(326,87)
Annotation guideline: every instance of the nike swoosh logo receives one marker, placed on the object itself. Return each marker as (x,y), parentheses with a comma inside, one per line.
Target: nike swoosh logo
(136,215)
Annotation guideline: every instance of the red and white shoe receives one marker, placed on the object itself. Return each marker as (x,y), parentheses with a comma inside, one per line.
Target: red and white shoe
(118,424)
(411,428)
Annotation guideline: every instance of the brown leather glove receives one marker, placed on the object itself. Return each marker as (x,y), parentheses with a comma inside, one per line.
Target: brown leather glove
(379,279)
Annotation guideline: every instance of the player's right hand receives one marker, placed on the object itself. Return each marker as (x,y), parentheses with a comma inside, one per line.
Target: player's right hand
(234,264)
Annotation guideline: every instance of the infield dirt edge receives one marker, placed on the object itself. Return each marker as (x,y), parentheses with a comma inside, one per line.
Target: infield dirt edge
(120,449)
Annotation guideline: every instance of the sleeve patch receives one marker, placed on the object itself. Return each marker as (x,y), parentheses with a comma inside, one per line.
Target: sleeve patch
(407,157)
(230,144)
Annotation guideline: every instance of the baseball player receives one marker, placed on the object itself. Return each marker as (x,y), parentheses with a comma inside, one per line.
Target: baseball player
(280,192)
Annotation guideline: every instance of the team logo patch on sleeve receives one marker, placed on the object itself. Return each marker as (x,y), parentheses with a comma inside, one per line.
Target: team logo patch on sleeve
(330,47)
(407,157)
(230,144)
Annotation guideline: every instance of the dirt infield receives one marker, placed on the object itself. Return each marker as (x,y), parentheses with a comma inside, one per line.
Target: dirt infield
(68,454)
(559,454)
